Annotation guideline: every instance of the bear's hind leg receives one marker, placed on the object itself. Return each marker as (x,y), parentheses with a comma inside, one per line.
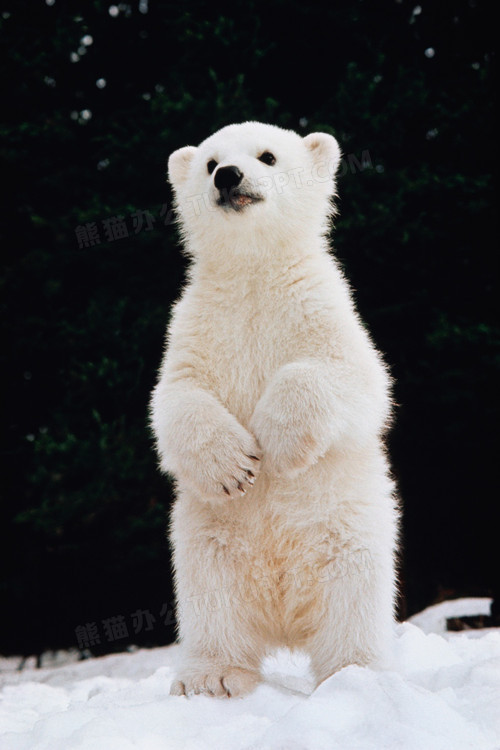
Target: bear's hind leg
(218,608)
(355,624)
(220,654)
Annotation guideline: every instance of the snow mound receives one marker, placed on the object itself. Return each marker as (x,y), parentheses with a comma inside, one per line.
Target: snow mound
(433,619)
(442,693)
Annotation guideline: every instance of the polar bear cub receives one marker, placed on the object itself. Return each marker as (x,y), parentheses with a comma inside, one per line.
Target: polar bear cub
(270,411)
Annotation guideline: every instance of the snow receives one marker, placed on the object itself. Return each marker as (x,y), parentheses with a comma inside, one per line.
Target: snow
(433,619)
(442,692)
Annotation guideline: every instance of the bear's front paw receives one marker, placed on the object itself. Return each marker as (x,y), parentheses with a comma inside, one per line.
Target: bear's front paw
(226,467)
(287,449)
(296,454)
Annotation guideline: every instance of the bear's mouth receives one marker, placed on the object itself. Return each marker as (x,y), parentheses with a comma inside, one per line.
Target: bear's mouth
(237,200)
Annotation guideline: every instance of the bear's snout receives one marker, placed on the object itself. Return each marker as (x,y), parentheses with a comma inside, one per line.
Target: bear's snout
(227,178)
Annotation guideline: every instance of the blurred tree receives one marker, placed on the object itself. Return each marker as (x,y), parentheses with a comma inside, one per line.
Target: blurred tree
(95,98)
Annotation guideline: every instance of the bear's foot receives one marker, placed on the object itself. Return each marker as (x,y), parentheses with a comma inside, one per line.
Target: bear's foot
(229,682)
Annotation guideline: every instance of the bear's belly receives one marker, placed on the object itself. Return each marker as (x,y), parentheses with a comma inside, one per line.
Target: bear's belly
(285,576)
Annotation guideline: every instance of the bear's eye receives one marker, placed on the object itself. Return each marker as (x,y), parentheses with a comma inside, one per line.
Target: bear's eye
(211,166)
(267,158)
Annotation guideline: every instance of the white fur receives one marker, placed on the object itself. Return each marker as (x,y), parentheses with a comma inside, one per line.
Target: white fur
(267,359)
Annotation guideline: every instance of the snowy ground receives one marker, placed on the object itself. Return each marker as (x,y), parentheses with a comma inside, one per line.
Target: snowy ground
(442,694)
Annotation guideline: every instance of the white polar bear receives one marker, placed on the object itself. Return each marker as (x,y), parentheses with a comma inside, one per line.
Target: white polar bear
(269,411)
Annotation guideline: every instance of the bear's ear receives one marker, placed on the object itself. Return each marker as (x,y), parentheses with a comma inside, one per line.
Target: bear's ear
(178,164)
(324,149)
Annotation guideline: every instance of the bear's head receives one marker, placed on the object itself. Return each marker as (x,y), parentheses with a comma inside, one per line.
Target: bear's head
(253,184)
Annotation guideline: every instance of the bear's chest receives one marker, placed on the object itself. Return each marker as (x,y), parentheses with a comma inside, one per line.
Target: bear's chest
(244,346)
(240,343)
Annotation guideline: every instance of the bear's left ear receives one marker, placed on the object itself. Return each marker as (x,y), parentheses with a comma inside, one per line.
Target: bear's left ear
(178,164)
(324,149)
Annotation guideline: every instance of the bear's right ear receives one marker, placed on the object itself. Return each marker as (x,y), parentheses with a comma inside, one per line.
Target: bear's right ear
(178,164)
(324,149)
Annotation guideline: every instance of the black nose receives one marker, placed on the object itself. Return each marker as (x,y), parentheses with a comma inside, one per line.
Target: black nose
(227,178)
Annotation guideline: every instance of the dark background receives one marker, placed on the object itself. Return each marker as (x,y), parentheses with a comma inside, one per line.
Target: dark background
(84,510)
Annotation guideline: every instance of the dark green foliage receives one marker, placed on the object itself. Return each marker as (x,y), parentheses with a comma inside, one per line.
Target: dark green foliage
(84,510)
